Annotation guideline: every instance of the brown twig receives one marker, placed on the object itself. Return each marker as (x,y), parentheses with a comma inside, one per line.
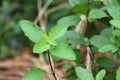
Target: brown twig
(88,59)
(62,5)
(81,26)
(54,9)
(52,68)
(41,12)
(39,5)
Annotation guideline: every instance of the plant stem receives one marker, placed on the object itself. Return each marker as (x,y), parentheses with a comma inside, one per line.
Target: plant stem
(54,9)
(88,59)
(41,12)
(88,56)
(51,66)
(88,23)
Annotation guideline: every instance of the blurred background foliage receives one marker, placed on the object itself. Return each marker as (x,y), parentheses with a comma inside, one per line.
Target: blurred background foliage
(12,40)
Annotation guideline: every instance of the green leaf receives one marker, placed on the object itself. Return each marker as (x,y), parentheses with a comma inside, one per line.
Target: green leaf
(80,9)
(115,23)
(41,46)
(74,38)
(75,2)
(113,8)
(118,74)
(116,32)
(63,51)
(70,20)
(34,74)
(117,55)
(58,31)
(107,32)
(62,39)
(116,40)
(97,13)
(71,34)
(87,42)
(32,31)
(108,48)
(96,5)
(67,67)
(83,74)
(100,75)
(105,62)
(99,40)
(78,56)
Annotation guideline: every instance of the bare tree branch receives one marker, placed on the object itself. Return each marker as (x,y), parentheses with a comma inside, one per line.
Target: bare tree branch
(41,12)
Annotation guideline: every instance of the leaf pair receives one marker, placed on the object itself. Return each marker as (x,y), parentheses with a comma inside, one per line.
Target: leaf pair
(103,44)
(84,74)
(80,7)
(43,41)
(113,8)
(40,38)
